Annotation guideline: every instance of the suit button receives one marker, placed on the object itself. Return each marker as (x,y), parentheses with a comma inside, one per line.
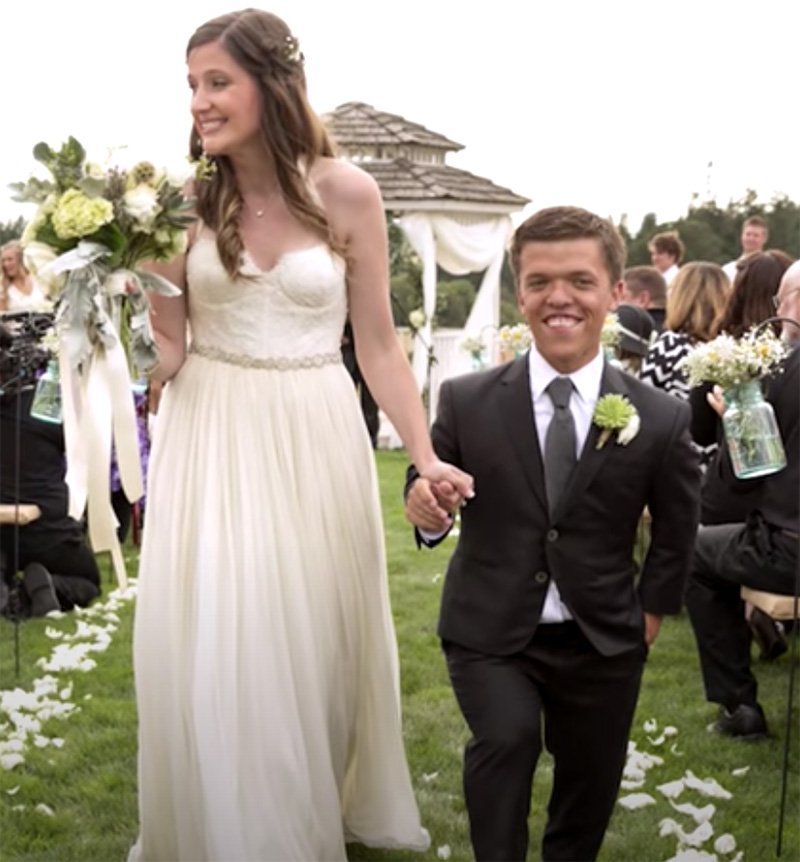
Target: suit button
(552,535)
(540,577)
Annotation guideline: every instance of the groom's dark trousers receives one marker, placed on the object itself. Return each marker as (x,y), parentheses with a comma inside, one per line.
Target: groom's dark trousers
(570,686)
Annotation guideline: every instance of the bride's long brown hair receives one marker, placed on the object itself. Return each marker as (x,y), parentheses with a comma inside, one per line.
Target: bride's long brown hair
(293,135)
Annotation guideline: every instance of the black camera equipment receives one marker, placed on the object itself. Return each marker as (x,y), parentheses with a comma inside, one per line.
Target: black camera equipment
(22,358)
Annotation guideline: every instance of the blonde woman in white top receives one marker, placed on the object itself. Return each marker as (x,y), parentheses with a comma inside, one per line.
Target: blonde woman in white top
(20,291)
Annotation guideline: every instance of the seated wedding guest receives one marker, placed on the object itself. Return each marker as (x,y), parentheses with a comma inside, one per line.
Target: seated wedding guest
(20,291)
(636,332)
(751,302)
(645,286)
(761,553)
(753,239)
(59,570)
(544,627)
(697,299)
(666,253)
(752,298)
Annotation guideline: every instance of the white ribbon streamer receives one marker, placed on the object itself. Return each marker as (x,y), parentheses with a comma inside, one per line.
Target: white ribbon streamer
(98,410)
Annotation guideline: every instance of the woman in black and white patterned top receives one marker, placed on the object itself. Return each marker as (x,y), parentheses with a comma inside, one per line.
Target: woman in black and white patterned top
(696,301)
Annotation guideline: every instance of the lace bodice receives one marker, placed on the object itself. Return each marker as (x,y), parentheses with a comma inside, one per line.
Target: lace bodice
(295,310)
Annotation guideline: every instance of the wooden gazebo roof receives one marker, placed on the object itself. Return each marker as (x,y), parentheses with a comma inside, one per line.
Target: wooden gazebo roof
(408,163)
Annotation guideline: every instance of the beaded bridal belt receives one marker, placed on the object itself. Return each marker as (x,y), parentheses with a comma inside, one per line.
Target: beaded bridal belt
(279,363)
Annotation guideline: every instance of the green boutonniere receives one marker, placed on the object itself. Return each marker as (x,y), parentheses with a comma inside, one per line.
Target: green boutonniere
(615,413)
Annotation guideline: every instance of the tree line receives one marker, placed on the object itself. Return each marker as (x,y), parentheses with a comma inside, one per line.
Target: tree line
(708,231)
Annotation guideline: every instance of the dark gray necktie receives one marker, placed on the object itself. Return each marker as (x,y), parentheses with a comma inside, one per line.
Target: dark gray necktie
(559,443)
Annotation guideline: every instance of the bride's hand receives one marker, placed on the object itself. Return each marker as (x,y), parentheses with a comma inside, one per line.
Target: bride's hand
(440,471)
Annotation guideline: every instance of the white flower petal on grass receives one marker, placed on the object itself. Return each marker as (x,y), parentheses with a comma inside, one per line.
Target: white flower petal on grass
(692,855)
(9,761)
(53,634)
(701,834)
(66,693)
(650,726)
(672,789)
(57,742)
(706,786)
(634,801)
(41,741)
(673,749)
(18,807)
(429,776)
(436,578)
(631,785)
(87,696)
(44,809)
(659,740)
(13,791)
(725,843)
(699,815)
(742,770)
(443,852)
(738,857)
(670,731)
(633,772)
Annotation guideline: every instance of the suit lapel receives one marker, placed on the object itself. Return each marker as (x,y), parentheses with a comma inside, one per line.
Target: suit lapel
(592,458)
(516,408)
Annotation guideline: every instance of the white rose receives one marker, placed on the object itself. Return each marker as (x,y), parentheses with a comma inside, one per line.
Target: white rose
(141,204)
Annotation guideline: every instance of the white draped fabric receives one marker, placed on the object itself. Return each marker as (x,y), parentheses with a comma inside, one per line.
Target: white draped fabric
(459,244)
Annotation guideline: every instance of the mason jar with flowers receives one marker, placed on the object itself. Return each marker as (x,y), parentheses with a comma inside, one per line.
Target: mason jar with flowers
(738,366)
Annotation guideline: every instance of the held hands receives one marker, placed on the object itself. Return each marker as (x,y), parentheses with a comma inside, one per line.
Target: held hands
(439,491)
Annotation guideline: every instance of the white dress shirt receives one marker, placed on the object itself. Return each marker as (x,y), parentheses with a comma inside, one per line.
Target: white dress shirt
(586,382)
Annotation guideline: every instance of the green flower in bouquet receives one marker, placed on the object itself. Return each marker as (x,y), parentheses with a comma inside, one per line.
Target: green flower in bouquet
(87,240)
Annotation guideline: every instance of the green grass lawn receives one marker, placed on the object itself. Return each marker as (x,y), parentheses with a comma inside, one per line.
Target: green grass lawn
(89,784)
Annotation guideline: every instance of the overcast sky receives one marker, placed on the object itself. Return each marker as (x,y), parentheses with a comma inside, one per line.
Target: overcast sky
(618,106)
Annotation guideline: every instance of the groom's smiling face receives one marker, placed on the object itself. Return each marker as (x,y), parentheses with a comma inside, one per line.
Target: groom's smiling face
(564,292)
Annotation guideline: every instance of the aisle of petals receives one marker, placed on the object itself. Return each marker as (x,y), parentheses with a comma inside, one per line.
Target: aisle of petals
(695,827)
(79,635)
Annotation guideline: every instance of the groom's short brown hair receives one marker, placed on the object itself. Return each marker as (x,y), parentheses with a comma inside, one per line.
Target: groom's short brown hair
(560,223)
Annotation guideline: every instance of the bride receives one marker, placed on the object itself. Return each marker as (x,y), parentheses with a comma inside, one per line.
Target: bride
(265,657)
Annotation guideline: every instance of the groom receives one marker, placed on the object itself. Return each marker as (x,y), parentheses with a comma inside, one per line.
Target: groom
(544,623)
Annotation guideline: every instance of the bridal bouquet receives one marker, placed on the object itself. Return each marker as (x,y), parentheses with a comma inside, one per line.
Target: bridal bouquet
(92,230)
(87,240)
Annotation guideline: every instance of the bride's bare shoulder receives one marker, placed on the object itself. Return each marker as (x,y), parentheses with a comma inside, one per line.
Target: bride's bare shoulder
(340,183)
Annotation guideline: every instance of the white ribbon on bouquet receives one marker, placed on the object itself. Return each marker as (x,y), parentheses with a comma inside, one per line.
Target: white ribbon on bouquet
(98,410)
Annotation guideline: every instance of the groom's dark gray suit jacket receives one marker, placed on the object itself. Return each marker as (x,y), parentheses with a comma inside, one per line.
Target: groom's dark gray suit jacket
(510,547)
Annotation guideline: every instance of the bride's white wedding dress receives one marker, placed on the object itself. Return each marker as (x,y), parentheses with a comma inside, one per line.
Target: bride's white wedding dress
(265,658)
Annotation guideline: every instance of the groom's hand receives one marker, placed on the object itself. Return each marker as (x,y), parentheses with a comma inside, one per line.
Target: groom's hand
(428,505)
(652,625)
